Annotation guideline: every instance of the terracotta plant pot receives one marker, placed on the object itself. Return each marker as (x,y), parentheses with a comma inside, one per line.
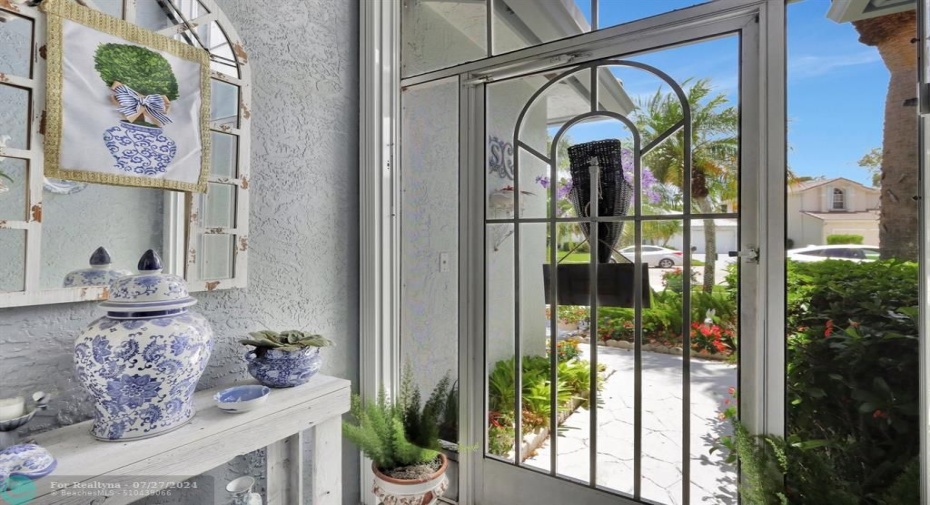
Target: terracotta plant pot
(426,491)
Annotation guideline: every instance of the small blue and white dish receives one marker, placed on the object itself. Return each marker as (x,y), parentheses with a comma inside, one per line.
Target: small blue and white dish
(238,399)
(24,461)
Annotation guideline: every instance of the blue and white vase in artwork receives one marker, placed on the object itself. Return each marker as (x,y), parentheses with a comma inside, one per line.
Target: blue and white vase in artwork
(100,272)
(138,149)
(283,369)
(141,362)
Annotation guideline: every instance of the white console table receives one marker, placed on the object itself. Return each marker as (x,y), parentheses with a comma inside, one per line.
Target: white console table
(211,439)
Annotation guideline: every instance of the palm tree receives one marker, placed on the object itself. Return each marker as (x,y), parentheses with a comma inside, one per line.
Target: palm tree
(714,151)
(899,223)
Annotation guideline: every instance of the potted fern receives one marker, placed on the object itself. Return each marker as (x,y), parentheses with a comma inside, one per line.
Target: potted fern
(402,440)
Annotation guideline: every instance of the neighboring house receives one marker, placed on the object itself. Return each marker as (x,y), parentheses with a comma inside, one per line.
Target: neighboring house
(727,237)
(822,207)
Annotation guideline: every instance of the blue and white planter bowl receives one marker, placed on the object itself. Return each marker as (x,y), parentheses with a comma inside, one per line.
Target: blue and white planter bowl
(141,362)
(99,274)
(284,369)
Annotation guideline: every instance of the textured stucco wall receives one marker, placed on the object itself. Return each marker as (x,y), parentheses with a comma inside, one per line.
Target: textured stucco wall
(303,249)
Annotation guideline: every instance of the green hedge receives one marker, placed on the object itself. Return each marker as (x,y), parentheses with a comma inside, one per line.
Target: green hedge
(853,381)
(844,239)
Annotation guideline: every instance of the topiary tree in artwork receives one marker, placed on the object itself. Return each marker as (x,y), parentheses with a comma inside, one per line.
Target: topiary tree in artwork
(143,70)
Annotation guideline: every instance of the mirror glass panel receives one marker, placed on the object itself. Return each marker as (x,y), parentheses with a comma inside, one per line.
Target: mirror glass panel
(14,117)
(15,45)
(12,260)
(14,189)
(126,221)
(218,254)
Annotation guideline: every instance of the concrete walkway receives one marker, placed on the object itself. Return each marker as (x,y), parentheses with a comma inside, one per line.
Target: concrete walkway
(712,481)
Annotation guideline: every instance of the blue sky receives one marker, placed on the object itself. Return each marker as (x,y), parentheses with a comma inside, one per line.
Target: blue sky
(836,85)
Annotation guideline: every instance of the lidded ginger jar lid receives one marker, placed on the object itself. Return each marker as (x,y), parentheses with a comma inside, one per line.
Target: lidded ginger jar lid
(148,294)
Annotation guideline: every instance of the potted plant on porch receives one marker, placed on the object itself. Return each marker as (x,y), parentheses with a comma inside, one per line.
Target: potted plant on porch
(401,438)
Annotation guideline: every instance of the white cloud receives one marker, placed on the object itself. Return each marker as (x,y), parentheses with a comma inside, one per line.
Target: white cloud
(800,67)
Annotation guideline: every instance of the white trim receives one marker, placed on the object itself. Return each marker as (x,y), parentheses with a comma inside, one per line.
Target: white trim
(471,290)
(379,95)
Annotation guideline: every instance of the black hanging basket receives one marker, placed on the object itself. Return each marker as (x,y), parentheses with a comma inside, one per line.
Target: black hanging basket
(614,193)
(614,280)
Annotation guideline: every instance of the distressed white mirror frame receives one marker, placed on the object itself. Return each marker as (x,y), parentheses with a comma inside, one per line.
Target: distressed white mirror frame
(199,22)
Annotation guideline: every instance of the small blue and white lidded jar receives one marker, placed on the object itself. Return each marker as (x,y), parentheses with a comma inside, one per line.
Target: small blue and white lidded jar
(141,362)
(99,274)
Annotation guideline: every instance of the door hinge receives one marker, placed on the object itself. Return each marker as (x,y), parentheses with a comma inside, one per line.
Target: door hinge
(750,254)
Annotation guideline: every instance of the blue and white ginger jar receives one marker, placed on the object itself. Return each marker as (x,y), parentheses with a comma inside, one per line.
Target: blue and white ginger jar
(99,274)
(140,150)
(141,362)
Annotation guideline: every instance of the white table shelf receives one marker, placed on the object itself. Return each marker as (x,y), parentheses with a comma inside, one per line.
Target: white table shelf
(210,439)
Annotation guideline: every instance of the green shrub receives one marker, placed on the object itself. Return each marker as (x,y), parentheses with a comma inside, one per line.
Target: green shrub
(852,375)
(844,239)
(674,279)
(574,379)
(572,314)
(143,70)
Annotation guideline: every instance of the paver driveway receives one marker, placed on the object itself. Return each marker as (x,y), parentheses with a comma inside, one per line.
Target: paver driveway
(712,480)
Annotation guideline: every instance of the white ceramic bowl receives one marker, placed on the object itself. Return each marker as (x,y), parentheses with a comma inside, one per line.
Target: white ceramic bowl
(238,399)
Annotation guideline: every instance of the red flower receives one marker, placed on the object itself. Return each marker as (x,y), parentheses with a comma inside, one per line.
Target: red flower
(829,330)
(879,414)
(732,390)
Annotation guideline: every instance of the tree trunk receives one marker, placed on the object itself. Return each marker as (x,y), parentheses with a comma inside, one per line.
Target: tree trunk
(898,223)
(705,206)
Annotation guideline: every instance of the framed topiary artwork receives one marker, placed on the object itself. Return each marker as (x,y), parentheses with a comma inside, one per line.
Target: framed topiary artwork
(126,106)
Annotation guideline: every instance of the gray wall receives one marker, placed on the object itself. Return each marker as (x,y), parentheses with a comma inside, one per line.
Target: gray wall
(304,248)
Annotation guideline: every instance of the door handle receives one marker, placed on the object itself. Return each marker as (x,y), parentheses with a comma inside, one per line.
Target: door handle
(750,254)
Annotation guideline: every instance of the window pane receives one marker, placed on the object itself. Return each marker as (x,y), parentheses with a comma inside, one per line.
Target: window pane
(224,155)
(439,34)
(15,45)
(526,23)
(14,189)
(217,257)
(14,117)
(220,203)
(224,103)
(429,301)
(617,12)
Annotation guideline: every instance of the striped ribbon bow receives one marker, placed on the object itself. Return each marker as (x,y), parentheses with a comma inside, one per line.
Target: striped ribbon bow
(132,105)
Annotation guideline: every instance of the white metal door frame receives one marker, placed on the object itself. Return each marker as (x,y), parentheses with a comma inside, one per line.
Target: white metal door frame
(762,226)
(763,92)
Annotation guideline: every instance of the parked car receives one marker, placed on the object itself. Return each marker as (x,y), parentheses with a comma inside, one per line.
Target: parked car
(850,252)
(654,255)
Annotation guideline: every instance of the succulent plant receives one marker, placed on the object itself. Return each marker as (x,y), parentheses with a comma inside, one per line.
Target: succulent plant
(288,340)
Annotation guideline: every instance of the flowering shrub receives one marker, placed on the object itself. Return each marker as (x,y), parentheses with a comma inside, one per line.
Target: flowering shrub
(712,338)
(852,378)
(567,349)
(572,314)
